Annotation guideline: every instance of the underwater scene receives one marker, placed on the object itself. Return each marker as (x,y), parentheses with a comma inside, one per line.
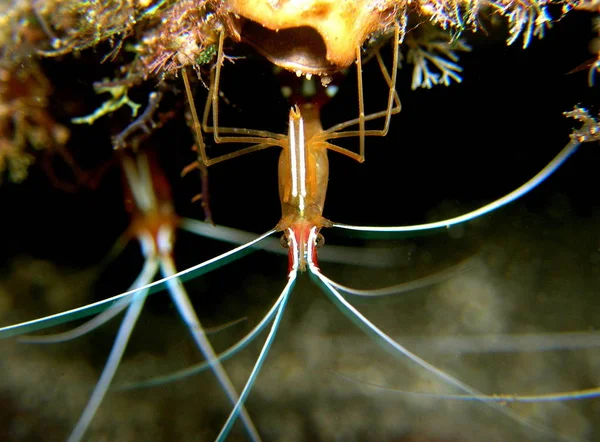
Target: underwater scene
(434,278)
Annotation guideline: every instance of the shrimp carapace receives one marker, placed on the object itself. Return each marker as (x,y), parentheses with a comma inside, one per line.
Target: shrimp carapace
(303,176)
(148,200)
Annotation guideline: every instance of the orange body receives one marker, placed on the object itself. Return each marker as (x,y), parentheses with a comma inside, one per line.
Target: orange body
(148,200)
(303,176)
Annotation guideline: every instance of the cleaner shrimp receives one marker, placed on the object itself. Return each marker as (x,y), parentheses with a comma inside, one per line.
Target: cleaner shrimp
(389,408)
(303,176)
(153,224)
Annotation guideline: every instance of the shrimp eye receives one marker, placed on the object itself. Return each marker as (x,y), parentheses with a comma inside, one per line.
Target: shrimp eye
(283,240)
(320,242)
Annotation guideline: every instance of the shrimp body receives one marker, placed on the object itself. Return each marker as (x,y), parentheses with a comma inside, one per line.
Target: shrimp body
(154,222)
(303,176)
(148,200)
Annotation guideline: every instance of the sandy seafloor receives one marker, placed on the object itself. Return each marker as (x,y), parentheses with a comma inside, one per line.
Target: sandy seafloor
(532,273)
